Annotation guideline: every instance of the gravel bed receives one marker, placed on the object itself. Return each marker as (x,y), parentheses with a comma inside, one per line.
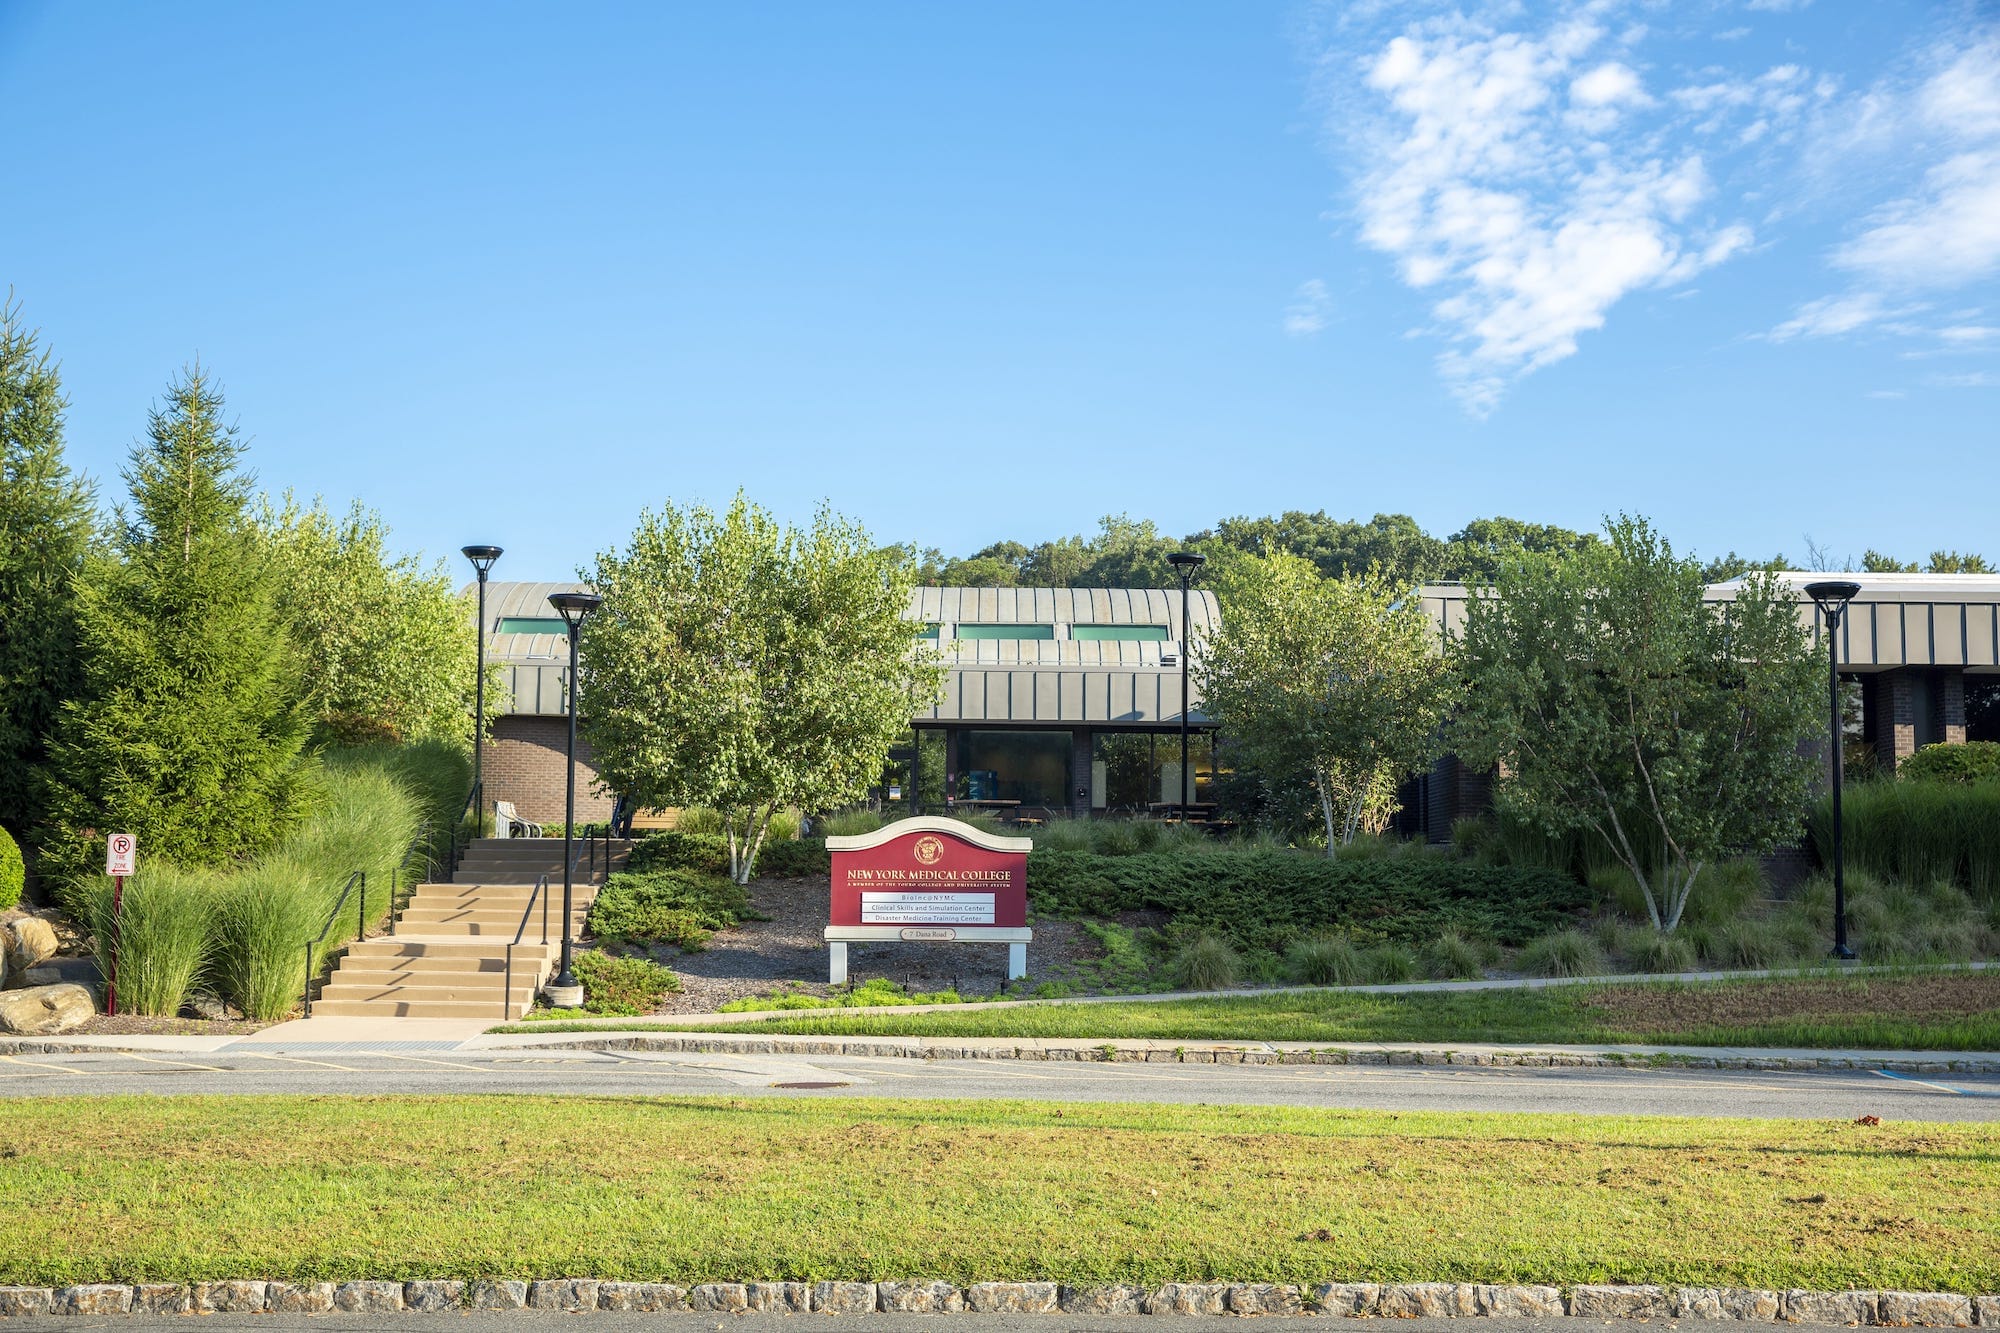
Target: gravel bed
(761,956)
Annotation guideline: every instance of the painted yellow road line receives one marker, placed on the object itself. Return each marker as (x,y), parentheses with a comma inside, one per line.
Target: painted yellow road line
(183,1064)
(60,1069)
(299,1060)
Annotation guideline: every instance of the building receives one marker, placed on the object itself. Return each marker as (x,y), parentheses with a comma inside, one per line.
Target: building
(1057,700)
(1068,700)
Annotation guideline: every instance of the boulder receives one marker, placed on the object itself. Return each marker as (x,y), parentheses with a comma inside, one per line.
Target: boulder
(29,941)
(42,1010)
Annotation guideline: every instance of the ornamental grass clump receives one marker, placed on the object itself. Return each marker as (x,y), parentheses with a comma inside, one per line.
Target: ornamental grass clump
(1390,964)
(1452,957)
(1324,960)
(165,934)
(1566,953)
(1204,962)
(265,915)
(1650,950)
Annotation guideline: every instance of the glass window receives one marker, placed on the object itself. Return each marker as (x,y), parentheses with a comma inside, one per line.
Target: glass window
(1028,767)
(532,625)
(1119,633)
(1006,631)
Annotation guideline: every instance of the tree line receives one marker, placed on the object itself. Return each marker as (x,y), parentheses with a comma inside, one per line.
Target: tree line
(171,668)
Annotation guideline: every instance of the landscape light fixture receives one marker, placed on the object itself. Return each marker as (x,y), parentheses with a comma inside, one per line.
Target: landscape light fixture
(1185,563)
(1831,596)
(575,608)
(482,558)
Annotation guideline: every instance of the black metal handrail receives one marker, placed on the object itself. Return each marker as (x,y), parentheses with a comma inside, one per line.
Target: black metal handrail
(507,983)
(361,927)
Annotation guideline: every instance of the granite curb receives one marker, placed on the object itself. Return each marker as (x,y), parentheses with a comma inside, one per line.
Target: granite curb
(1258,1053)
(1407,1300)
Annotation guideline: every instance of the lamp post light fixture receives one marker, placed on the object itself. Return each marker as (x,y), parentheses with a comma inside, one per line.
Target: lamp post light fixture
(482,558)
(575,608)
(1185,563)
(1831,596)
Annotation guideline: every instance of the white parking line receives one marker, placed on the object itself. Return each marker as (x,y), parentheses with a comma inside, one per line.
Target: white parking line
(297,1060)
(181,1064)
(60,1069)
(442,1064)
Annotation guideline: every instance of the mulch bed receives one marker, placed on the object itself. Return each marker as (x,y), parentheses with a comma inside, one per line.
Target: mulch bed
(1675,1009)
(130,1025)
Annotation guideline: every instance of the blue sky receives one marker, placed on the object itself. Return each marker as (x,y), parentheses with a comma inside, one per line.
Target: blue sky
(511,273)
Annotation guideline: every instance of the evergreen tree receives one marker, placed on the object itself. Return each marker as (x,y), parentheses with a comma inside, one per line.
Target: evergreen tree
(45,532)
(190,731)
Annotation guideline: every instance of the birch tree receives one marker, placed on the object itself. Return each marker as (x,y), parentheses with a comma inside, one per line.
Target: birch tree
(747,665)
(1339,678)
(1613,699)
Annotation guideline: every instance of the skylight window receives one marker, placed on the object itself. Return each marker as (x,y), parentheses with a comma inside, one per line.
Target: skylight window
(532,625)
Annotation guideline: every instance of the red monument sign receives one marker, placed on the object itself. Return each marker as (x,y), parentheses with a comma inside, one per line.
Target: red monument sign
(929,879)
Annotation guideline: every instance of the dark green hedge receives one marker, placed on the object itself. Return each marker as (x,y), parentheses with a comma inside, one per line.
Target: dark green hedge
(709,853)
(1265,899)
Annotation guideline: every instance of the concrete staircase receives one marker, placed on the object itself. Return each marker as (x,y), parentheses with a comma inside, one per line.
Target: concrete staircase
(447,954)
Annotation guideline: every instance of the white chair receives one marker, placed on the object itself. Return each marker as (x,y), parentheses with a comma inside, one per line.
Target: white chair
(507,822)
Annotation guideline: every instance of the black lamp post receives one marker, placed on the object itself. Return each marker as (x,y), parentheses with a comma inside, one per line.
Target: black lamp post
(1832,597)
(574,607)
(482,558)
(1186,563)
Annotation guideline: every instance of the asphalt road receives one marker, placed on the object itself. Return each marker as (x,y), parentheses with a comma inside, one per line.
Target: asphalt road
(1664,1091)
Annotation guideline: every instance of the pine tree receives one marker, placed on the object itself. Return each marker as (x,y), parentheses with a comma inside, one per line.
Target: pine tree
(46,516)
(190,733)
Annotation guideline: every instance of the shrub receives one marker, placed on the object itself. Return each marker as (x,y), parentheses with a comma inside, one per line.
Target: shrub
(13,874)
(1205,962)
(1390,964)
(165,935)
(1565,953)
(1452,957)
(622,986)
(795,858)
(678,907)
(1324,960)
(1265,900)
(699,820)
(1754,944)
(1974,761)
(1656,951)
(680,849)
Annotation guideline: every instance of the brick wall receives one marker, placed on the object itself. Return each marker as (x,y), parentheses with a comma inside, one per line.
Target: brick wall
(1892,717)
(1950,702)
(524,763)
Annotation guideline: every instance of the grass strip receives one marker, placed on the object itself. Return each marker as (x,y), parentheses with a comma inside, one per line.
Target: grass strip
(1940,1012)
(709,1189)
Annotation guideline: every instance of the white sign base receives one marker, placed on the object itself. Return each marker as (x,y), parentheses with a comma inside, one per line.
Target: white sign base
(1016,938)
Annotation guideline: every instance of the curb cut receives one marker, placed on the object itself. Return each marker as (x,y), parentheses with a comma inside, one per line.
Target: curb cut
(1407,1300)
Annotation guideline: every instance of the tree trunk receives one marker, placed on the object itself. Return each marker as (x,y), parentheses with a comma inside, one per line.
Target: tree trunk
(1326,807)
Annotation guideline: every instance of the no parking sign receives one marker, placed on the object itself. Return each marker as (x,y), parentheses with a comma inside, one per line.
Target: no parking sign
(121,854)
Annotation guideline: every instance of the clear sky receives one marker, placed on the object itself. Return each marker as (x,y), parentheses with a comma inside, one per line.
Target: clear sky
(511,273)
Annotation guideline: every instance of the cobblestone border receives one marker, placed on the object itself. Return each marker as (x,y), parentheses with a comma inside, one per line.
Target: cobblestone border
(1242,1053)
(1407,1300)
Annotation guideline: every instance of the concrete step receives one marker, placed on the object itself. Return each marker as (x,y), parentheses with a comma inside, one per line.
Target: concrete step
(338,991)
(488,1010)
(501,928)
(423,971)
(417,945)
(414,918)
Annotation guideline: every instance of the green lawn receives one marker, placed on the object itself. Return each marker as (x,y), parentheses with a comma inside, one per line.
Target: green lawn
(1948,1011)
(694,1189)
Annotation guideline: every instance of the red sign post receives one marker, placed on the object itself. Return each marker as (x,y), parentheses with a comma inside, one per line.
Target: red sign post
(121,858)
(929,879)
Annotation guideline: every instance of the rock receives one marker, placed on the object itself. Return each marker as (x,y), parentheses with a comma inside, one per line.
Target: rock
(1607,1302)
(843,1298)
(1346,1297)
(17,1301)
(161,1298)
(777,1297)
(1262,1298)
(206,1006)
(641,1297)
(719,1297)
(42,1010)
(432,1294)
(492,1294)
(1100,1300)
(1727,1303)
(1011,1297)
(368,1297)
(28,940)
(1514,1302)
(93,1298)
(290,1298)
(1419,1300)
(229,1297)
(1987,1310)
(1923,1309)
(1830,1307)
(1186,1298)
(571,1295)
(920,1297)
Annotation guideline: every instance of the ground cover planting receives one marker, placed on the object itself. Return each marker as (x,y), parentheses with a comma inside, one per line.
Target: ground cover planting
(1954,1011)
(714,1189)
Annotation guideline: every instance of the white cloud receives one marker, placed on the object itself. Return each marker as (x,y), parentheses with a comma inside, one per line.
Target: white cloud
(1968,334)
(1777,6)
(1945,235)
(1307,314)
(1520,177)
(1978,379)
(1830,315)
(1887,393)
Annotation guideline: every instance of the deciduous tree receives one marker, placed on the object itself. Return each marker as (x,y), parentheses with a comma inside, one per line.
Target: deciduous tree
(744,664)
(1613,699)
